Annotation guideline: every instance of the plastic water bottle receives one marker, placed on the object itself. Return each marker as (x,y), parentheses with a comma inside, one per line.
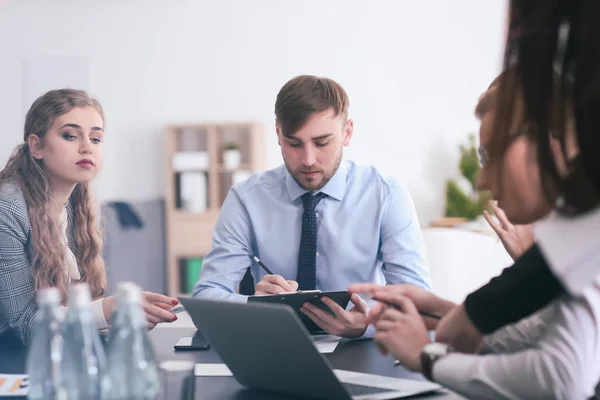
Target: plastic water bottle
(132,372)
(83,361)
(44,353)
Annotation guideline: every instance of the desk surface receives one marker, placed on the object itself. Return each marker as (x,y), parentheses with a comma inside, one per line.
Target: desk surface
(358,355)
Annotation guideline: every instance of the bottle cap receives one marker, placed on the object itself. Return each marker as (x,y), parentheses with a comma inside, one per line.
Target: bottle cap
(129,292)
(49,295)
(79,295)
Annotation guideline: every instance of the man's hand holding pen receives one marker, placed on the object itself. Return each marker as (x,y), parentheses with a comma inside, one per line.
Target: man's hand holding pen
(274,284)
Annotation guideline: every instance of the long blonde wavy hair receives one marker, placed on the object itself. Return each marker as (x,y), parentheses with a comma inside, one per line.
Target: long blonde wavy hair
(48,256)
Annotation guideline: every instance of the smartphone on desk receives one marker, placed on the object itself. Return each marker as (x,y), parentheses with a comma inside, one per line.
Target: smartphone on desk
(189,343)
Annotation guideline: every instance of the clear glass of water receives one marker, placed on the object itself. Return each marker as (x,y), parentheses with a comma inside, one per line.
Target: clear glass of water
(177,379)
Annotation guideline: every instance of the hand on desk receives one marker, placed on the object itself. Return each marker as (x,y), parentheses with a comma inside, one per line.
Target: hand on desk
(273,284)
(350,324)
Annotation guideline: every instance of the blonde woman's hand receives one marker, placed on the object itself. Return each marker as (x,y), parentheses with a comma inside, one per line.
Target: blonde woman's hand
(516,239)
(156,308)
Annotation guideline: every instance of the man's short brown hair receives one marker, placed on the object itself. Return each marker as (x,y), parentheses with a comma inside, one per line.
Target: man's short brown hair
(304,96)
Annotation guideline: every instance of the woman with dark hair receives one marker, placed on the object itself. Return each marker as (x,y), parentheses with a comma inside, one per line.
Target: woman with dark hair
(529,359)
(550,92)
(554,47)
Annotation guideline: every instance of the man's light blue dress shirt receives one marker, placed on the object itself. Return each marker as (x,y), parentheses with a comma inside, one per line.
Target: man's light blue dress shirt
(367,231)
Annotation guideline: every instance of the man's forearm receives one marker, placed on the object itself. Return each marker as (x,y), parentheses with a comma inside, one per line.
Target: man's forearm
(208,291)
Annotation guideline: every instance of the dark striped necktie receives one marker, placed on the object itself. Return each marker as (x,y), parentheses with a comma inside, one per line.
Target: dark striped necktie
(307,256)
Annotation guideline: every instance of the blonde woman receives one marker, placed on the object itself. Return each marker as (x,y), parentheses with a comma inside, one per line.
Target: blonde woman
(49,230)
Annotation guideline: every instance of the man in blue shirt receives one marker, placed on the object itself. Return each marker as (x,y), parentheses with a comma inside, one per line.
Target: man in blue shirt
(317,222)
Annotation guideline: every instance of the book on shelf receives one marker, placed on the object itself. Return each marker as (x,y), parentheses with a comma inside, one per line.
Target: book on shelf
(191,191)
(189,272)
(190,161)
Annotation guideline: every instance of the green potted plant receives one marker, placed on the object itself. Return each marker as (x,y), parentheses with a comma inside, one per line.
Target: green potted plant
(463,202)
(232,157)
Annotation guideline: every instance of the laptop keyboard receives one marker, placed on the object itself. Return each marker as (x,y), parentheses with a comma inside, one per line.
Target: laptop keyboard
(358,390)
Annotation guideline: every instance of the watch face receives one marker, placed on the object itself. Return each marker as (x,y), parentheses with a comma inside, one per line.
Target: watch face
(437,349)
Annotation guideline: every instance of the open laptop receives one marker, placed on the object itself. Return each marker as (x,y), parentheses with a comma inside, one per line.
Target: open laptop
(267,347)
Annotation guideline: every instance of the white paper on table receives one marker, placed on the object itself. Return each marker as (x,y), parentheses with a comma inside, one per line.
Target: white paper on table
(326,343)
(14,385)
(212,370)
(406,386)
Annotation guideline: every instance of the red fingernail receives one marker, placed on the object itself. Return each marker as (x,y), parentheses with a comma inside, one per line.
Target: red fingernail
(175,302)
(175,318)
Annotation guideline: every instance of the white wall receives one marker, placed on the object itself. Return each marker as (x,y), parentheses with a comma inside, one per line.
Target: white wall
(413,70)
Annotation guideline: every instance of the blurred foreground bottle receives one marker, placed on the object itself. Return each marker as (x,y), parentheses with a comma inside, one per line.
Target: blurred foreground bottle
(83,359)
(44,352)
(132,370)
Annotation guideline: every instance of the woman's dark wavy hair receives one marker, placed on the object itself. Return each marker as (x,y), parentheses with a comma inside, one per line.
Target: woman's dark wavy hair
(553,48)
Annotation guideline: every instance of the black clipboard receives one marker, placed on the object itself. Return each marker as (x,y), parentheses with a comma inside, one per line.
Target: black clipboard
(296,299)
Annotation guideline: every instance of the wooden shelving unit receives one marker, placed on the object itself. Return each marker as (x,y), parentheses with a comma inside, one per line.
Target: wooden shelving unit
(189,234)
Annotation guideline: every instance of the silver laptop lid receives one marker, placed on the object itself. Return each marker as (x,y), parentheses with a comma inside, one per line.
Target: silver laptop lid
(254,341)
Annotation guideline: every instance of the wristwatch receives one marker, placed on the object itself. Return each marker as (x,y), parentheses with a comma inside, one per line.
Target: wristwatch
(430,354)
